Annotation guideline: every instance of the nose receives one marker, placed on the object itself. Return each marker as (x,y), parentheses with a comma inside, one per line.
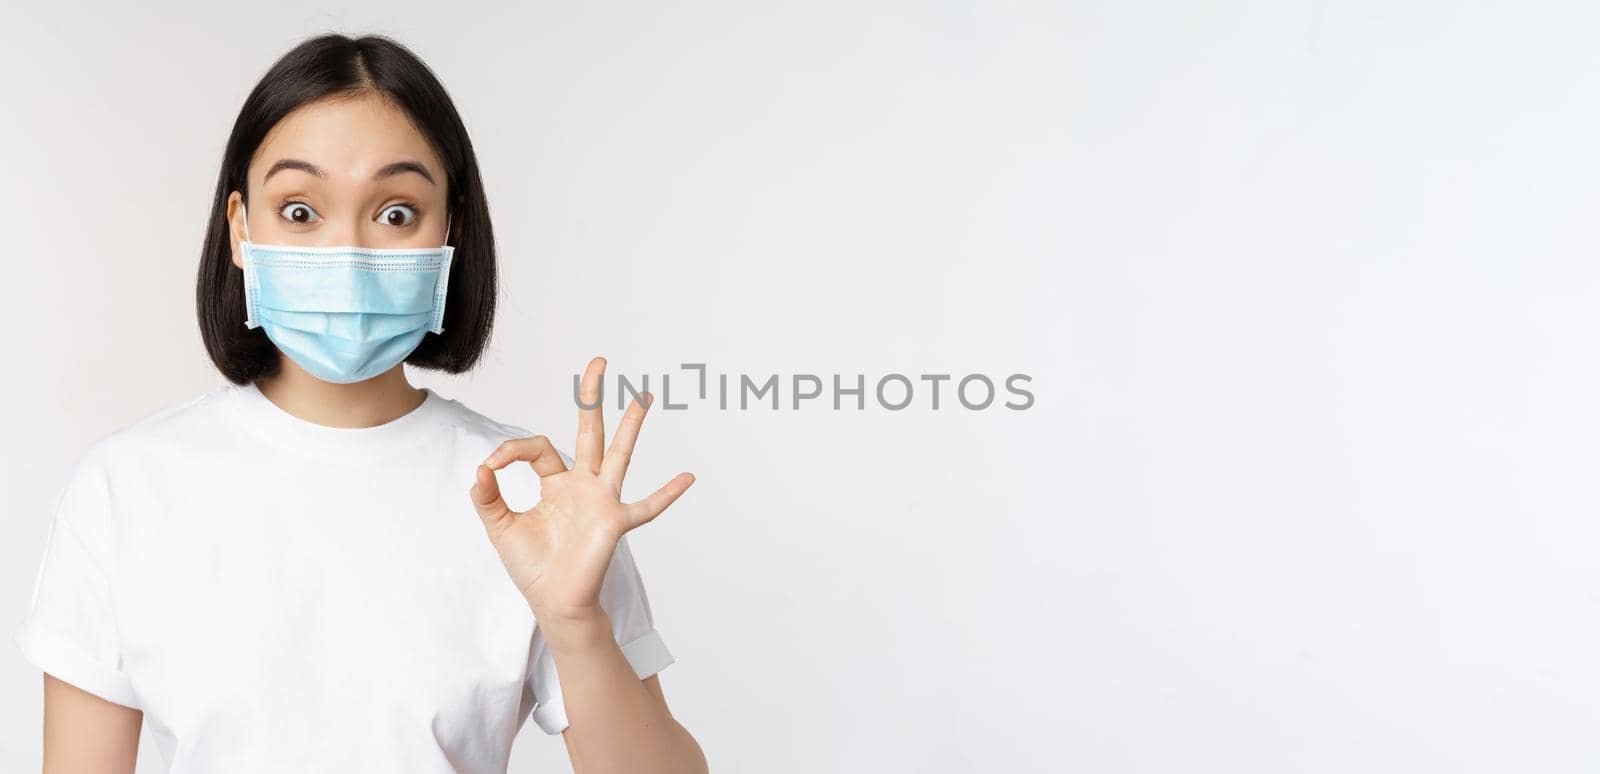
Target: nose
(343,231)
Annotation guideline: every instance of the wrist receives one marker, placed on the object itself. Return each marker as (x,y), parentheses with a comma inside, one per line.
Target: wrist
(574,630)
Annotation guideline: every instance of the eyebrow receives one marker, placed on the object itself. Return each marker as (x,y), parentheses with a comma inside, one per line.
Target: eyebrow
(397,168)
(401,167)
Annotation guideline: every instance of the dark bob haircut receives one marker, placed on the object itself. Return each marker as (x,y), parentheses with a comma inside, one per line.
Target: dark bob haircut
(336,65)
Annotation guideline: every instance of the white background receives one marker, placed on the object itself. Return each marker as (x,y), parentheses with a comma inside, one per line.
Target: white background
(1307,291)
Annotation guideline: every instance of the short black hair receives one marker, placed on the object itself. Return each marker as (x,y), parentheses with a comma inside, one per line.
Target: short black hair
(336,65)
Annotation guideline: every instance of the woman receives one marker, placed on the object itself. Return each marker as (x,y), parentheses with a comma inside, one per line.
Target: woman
(306,568)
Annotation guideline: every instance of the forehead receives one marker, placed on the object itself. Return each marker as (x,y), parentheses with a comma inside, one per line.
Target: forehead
(348,137)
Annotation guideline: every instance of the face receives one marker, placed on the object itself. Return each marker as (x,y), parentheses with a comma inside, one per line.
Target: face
(343,171)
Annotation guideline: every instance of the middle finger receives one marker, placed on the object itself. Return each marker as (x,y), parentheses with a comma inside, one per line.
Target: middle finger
(591,422)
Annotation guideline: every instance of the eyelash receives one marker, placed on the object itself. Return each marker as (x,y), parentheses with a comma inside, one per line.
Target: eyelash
(416,212)
(402,203)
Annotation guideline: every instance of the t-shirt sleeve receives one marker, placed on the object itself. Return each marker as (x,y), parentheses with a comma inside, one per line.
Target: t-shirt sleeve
(622,596)
(70,628)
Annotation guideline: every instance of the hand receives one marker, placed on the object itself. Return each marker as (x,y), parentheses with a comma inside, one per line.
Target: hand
(557,552)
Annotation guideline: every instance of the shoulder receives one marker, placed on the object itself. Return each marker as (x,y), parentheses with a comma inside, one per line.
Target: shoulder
(126,458)
(490,431)
(475,422)
(175,424)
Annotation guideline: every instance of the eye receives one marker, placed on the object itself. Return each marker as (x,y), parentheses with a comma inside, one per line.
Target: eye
(398,215)
(298,212)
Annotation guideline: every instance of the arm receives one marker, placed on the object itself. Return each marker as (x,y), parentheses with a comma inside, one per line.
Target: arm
(617,722)
(85,734)
(558,554)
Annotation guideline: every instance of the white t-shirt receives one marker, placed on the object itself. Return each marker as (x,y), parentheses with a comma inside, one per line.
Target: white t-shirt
(278,595)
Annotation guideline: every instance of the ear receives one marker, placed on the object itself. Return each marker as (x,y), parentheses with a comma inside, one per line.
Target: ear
(236,226)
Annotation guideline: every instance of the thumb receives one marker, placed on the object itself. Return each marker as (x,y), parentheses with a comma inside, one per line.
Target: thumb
(485,494)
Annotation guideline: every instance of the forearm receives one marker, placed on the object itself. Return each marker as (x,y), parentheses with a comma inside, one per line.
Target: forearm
(615,724)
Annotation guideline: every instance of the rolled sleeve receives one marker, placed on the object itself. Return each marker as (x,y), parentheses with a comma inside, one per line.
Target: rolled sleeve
(70,629)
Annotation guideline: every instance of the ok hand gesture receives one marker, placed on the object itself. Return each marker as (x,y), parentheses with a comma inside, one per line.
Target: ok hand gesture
(557,552)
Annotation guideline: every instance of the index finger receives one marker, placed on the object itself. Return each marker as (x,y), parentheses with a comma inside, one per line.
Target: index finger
(536,450)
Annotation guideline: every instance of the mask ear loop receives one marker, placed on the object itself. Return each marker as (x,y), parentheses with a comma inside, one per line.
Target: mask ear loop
(249,273)
(442,285)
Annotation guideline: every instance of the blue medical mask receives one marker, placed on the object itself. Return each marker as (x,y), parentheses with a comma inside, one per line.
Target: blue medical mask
(345,314)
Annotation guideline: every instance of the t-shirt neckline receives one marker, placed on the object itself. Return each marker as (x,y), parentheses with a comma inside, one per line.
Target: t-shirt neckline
(343,444)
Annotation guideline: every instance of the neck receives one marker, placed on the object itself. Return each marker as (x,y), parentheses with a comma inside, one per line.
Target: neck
(383,398)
